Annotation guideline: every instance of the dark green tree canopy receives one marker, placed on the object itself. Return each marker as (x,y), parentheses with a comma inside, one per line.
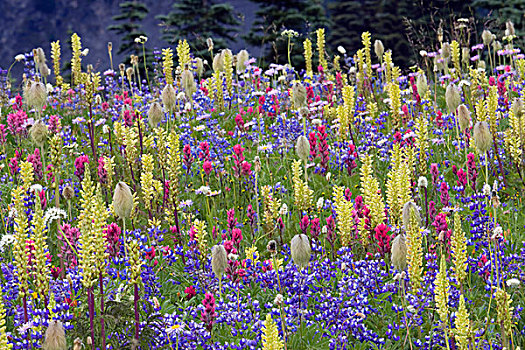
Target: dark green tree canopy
(129,26)
(274,16)
(198,20)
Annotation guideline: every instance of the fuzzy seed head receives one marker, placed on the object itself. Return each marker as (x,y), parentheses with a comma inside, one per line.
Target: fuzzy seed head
(302,147)
(55,338)
(464,119)
(219,260)
(200,66)
(169,98)
(68,192)
(487,37)
(299,95)
(482,137)
(122,200)
(188,83)
(36,95)
(452,97)
(39,133)
(379,48)
(399,252)
(408,209)
(155,114)
(300,249)
(421,84)
(242,57)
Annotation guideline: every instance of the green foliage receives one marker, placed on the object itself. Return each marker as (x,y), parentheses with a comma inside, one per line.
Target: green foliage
(198,20)
(131,14)
(274,16)
(501,11)
(404,26)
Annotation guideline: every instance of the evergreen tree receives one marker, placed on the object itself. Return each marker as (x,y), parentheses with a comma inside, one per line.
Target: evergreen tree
(274,16)
(404,26)
(131,14)
(198,20)
(503,11)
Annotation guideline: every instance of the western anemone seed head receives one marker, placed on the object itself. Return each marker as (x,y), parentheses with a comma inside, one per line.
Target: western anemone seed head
(509,28)
(38,133)
(518,107)
(482,64)
(482,137)
(300,249)
(169,98)
(422,182)
(188,83)
(55,338)
(36,95)
(299,95)
(40,55)
(408,209)
(200,66)
(271,247)
(122,200)
(302,147)
(464,117)
(445,50)
(422,85)
(465,55)
(399,252)
(219,260)
(242,57)
(68,192)
(452,97)
(155,114)
(379,49)
(218,63)
(487,37)
(209,42)
(77,344)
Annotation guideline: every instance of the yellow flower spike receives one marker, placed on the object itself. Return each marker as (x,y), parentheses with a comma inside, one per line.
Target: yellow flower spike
(321,48)
(441,294)
(343,209)
(307,45)
(270,335)
(4,343)
(167,65)
(367,43)
(462,331)
(228,71)
(371,193)
(414,242)
(76,60)
(459,250)
(55,55)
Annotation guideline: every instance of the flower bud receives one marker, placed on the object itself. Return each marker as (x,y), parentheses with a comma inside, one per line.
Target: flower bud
(482,137)
(122,200)
(399,252)
(155,114)
(77,344)
(300,249)
(169,98)
(445,50)
(39,133)
(464,119)
(302,148)
(452,97)
(379,49)
(55,338)
(219,261)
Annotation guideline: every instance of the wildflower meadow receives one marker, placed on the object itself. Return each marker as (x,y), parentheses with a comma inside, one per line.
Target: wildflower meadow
(213,202)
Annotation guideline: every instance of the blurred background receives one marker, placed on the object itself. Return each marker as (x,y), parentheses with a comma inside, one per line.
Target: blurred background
(404,26)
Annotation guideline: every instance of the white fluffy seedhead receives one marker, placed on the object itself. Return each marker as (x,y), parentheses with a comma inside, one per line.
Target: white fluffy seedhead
(122,200)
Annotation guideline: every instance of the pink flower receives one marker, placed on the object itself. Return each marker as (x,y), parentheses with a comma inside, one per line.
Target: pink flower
(207,167)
